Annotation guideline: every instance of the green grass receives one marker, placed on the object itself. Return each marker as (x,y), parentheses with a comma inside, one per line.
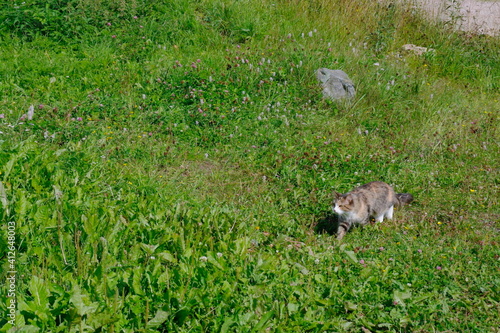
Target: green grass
(178,171)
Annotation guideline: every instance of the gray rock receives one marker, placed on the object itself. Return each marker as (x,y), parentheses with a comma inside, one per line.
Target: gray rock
(336,84)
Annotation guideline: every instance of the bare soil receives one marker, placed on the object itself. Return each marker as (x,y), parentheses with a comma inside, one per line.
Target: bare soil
(475,16)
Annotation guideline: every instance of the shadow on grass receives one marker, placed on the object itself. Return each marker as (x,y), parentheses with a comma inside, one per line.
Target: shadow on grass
(327,224)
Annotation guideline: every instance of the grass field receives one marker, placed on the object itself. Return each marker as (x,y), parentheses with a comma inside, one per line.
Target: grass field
(168,166)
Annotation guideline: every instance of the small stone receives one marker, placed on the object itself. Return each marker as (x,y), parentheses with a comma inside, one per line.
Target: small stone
(336,84)
(417,50)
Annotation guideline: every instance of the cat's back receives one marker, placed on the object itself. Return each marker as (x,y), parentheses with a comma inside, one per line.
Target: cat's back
(375,187)
(376,191)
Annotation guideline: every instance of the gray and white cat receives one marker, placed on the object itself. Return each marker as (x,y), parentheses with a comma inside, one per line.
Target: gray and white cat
(375,199)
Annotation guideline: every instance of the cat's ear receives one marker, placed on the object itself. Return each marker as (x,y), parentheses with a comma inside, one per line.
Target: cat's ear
(350,199)
(337,194)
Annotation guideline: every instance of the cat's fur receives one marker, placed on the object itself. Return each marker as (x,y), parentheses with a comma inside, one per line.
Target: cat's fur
(375,199)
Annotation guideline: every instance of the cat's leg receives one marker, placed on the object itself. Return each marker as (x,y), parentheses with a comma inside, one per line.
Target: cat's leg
(341,233)
(344,226)
(389,212)
(363,218)
(379,219)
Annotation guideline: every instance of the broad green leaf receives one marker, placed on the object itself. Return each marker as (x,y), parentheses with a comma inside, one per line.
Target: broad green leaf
(10,164)
(366,274)
(159,318)
(320,278)
(400,296)
(260,325)
(136,282)
(303,270)
(42,212)
(39,291)
(102,319)
(166,256)
(81,302)
(422,297)
(244,318)
(384,325)
(445,307)
(346,325)
(3,197)
(351,256)
(227,324)
(39,306)
(351,306)
(292,307)
(22,205)
(242,245)
(149,249)
(214,261)
(164,277)
(24,147)
(28,329)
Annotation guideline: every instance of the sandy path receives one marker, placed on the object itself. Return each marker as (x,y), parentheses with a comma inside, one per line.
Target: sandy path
(469,15)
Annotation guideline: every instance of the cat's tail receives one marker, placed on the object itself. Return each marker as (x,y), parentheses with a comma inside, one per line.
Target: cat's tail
(403,198)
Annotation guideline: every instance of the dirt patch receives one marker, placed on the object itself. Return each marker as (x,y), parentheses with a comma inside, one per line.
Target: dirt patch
(475,16)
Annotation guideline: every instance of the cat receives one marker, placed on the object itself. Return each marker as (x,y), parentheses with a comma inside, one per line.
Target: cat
(376,199)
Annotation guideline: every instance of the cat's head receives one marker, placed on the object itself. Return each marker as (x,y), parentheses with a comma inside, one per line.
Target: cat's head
(344,203)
